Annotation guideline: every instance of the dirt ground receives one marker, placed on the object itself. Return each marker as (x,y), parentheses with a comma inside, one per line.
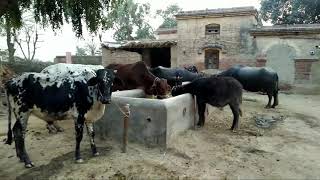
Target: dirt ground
(289,149)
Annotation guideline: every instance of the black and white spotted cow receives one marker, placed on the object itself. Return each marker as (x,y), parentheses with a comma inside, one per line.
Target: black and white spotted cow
(81,95)
(63,69)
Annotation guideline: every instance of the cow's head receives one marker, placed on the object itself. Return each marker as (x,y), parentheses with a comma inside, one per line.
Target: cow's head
(177,90)
(103,81)
(160,87)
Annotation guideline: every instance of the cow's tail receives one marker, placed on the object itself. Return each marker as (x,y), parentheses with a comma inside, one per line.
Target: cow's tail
(277,83)
(240,103)
(276,90)
(9,134)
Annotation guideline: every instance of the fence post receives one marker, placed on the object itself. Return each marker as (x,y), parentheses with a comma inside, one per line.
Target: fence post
(195,112)
(125,127)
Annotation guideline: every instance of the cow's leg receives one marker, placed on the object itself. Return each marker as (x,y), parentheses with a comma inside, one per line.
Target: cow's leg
(58,128)
(79,134)
(17,141)
(201,109)
(19,131)
(269,99)
(51,127)
(91,134)
(235,108)
(275,99)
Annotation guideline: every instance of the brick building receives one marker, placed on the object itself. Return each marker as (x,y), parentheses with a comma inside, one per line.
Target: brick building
(220,38)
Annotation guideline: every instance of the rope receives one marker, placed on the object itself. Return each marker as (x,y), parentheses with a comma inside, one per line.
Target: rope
(120,109)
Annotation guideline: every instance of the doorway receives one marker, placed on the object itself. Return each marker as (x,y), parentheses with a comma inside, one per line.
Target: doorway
(211,60)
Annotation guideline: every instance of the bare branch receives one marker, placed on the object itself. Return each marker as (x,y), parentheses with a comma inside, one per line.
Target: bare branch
(28,42)
(35,44)
(20,46)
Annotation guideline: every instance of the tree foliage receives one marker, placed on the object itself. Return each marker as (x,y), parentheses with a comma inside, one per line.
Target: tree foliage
(128,18)
(291,11)
(81,51)
(91,48)
(169,21)
(55,12)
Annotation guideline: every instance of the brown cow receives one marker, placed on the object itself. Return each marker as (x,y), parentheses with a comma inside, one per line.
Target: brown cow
(137,75)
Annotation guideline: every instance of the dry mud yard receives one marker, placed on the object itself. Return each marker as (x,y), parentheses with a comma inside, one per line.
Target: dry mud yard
(288,149)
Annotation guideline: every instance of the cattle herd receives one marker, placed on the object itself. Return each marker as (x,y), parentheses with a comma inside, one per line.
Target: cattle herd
(64,91)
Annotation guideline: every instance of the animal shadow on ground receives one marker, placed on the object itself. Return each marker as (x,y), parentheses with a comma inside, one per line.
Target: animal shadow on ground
(56,164)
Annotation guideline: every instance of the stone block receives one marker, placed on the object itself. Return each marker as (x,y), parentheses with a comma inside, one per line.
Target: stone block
(152,122)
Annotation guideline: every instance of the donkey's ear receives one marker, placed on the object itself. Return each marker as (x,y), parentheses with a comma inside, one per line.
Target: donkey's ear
(93,81)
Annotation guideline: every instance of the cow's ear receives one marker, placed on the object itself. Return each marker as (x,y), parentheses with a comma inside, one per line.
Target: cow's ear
(93,81)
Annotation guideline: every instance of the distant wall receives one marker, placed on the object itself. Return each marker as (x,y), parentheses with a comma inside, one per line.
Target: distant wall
(291,56)
(94,60)
(119,56)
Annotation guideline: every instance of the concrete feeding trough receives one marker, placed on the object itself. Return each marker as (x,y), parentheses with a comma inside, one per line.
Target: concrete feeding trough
(152,122)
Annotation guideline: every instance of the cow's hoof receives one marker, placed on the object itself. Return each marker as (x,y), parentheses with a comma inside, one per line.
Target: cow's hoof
(199,126)
(268,107)
(96,154)
(52,129)
(60,129)
(29,165)
(79,161)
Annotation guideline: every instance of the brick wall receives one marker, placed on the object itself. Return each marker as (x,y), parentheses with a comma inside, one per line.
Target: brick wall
(303,69)
(234,39)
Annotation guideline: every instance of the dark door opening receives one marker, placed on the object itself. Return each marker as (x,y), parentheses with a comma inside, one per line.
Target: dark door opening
(154,57)
(160,57)
(211,60)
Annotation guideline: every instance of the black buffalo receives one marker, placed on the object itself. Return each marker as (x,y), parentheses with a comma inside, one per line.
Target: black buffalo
(191,68)
(216,91)
(256,79)
(174,76)
(75,93)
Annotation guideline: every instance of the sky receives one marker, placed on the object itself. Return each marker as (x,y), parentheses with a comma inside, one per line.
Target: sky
(58,43)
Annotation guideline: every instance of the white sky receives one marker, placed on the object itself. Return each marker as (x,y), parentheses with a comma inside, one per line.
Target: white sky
(64,40)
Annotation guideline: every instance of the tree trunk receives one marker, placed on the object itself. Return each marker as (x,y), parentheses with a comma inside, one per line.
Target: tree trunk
(10,43)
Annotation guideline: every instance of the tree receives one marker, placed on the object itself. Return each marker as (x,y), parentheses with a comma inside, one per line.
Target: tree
(126,17)
(80,51)
(169,21)
(55,12)
(91,48)
(27,39)
(8,31)
(291,11)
